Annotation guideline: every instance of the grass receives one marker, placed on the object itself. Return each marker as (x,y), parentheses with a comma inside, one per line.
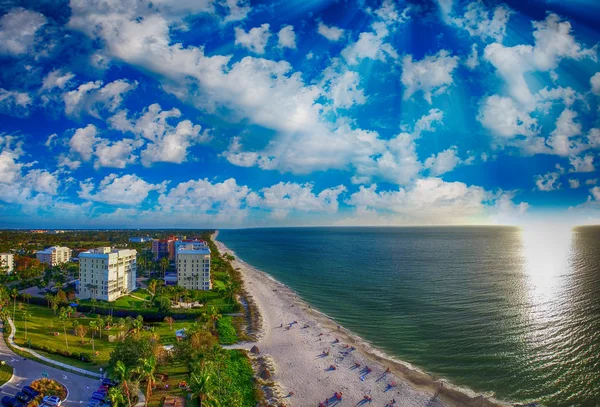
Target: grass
(6,372)
(177,372)
(42,323)
(226,331)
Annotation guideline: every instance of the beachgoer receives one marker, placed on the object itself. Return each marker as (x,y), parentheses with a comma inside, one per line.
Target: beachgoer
(387,370)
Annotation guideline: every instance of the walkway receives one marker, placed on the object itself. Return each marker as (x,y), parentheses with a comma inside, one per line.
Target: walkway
(26,371)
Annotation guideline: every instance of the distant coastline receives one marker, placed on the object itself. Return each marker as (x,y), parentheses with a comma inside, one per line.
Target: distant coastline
(417,385)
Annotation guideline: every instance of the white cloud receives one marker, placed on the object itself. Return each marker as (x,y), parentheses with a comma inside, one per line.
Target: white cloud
(254,40)
(42,181)
(473,60)
(286,197)
(549,182)
(57,79)
(17,30)
(164,142)
(238,10)
(432,75)
(573,183)
(286,38)
(430,201)
(93,98)
(87,144)
(445,161)
(595,193)
(477,21)
(330,32)
(503,116)
(115,190)
(14,102)
(342,86)
(561,139)
(389,14)
(595,82)
(582,164)
(592,181)
(370,45)
(553,42)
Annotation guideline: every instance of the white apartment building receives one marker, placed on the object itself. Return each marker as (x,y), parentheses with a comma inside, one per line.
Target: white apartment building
(54,255)
(7,260)
(106,273)
(193,266)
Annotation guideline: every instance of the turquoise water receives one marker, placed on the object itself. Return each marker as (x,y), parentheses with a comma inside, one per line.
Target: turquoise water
(499,310)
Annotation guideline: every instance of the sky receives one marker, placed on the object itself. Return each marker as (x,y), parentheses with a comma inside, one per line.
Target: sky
(235,113)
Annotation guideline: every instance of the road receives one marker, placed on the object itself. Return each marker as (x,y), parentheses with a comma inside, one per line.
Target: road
(26,370)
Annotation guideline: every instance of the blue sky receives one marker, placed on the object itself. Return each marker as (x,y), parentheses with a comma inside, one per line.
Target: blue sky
(230,113)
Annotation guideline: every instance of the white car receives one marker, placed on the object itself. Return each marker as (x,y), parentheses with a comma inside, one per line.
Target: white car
(53,401)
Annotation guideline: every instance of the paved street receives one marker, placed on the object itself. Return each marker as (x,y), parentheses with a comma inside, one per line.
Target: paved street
(25,371)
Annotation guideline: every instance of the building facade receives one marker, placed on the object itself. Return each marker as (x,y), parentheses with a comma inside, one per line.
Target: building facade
(54,255)
(7,262)
(164,248)
(193,265)
(106,273)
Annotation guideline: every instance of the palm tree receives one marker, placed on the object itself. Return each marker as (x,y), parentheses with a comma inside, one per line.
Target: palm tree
(123,375)
(164,264)
(201,386)
(93,304)
(101,323)
(115,396)
(138,324)
(93,326)
(14,294)
(62,316)
(146,370)
(213,316)
(170,321)
(231,288)
(48,298)
(25,316)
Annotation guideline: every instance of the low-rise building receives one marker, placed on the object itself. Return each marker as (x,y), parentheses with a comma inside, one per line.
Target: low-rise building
(140,239)
(106,273)
(54,255)
(164,248)
(7,262)
(193,265)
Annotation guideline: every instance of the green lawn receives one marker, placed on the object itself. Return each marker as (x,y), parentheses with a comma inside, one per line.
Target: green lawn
(6,372)
(177,372)
(42,323)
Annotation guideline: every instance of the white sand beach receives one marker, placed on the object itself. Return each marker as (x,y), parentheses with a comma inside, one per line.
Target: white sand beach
(297,352)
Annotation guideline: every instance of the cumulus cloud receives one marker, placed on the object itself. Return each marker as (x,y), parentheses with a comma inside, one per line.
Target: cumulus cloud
(286,38)
(473,60)
(432,75)
(164,142)
(573,183)
(582,164)
(330,32)
(118,190)
(429,201)
(504,117)
(256,39)
(94,98)
(479,21)
(370,45)
(17,30)
(443,162)
(15,103)
(553,43)
(57,79)
(86,144)
(342,86)
(595,82)
(549,181)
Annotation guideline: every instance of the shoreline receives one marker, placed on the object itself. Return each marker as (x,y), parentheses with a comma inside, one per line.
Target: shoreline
(301,366)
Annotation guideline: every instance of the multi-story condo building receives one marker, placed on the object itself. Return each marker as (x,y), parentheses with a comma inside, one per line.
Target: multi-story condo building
(164,248)
(193,265)
(54,255)
(106,273)
(7,262)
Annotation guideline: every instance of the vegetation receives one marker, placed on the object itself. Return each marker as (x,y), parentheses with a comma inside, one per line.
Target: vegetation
(226,331)
(6,372)
(47,387)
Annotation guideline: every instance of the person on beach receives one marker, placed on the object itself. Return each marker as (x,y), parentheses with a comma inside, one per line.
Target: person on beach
(387,370)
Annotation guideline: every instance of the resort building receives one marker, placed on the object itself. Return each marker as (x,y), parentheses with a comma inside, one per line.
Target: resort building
(140,239)
(54,255)
(106,273)
(164,248)
(7,262)
(193,265)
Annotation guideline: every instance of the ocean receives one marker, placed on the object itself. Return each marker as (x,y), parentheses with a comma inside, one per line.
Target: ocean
(505,312)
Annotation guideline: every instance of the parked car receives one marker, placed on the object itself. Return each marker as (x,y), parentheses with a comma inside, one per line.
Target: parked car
(99,396)
(94,403)
(54,401)
(108,382)
(30,391)
(8,401)
(24,397)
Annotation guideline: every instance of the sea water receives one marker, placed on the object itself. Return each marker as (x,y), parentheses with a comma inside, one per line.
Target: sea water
(500,310)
